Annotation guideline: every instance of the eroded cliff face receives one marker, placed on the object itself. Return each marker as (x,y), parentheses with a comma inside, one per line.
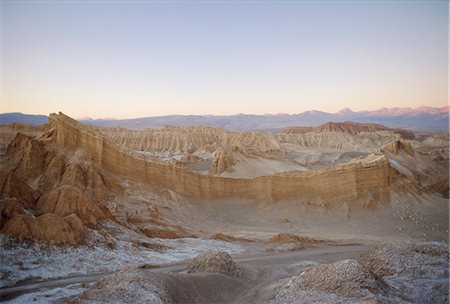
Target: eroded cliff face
(50,194)
(169,139)
(349,127)
(347,181)
(182,140)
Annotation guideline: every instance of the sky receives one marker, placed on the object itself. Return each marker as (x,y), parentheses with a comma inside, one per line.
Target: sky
(125,59)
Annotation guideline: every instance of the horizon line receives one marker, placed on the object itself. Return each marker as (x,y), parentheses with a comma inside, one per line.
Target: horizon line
(343,111)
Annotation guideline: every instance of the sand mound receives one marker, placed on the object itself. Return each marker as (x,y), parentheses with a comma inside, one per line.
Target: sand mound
(416,272)
(344,281)
(141,285)
(216,262)
(66,200)
(48,228)
(407,258)
(345,278)
(128,285)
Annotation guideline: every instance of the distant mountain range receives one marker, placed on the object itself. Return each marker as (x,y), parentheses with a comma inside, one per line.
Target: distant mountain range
(26,119)
(418,119)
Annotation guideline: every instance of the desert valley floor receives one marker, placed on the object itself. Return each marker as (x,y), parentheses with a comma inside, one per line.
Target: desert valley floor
(339,213)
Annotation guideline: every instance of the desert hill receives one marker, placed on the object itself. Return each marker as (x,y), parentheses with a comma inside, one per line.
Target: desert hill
(349,127)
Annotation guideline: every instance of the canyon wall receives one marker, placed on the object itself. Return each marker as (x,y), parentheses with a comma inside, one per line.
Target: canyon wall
(348,182)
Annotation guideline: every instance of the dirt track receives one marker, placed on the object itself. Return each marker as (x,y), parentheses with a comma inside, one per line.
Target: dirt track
(275,261)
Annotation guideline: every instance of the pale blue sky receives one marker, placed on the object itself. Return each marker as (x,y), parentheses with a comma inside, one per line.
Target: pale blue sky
(144,58)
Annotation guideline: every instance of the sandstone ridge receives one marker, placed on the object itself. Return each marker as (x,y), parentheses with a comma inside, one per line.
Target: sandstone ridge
(349,181)
(349,127)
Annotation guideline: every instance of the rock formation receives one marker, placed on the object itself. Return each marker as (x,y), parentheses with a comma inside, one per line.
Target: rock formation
(48,194)
(222,160)
(74,169)
(349,127)
(49,228)
(8,132)
(348,181)
(66,200)
(169,139)
(14,188)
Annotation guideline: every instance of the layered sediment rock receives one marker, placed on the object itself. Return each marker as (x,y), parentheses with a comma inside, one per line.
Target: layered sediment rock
(49,228)
(67,200)
(43,168)
(222,161)
(349,127)
(169,139)
(50,194)
(340,182)
(14,188)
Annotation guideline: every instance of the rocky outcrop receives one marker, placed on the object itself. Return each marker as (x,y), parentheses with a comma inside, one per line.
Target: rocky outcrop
(9,132)
(48,228)
(25,157)
(347,181)
(252,141)
(189,139)
(366,142)
(429,172)
(49,194)
(222,160)
(12,187)
(43,167)
(169,139)
(58,217)
(398,147)
(67,200)
(349,127)
(8,209)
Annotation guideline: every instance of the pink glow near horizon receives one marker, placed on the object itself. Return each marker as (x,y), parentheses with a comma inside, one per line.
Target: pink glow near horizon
(150,59)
